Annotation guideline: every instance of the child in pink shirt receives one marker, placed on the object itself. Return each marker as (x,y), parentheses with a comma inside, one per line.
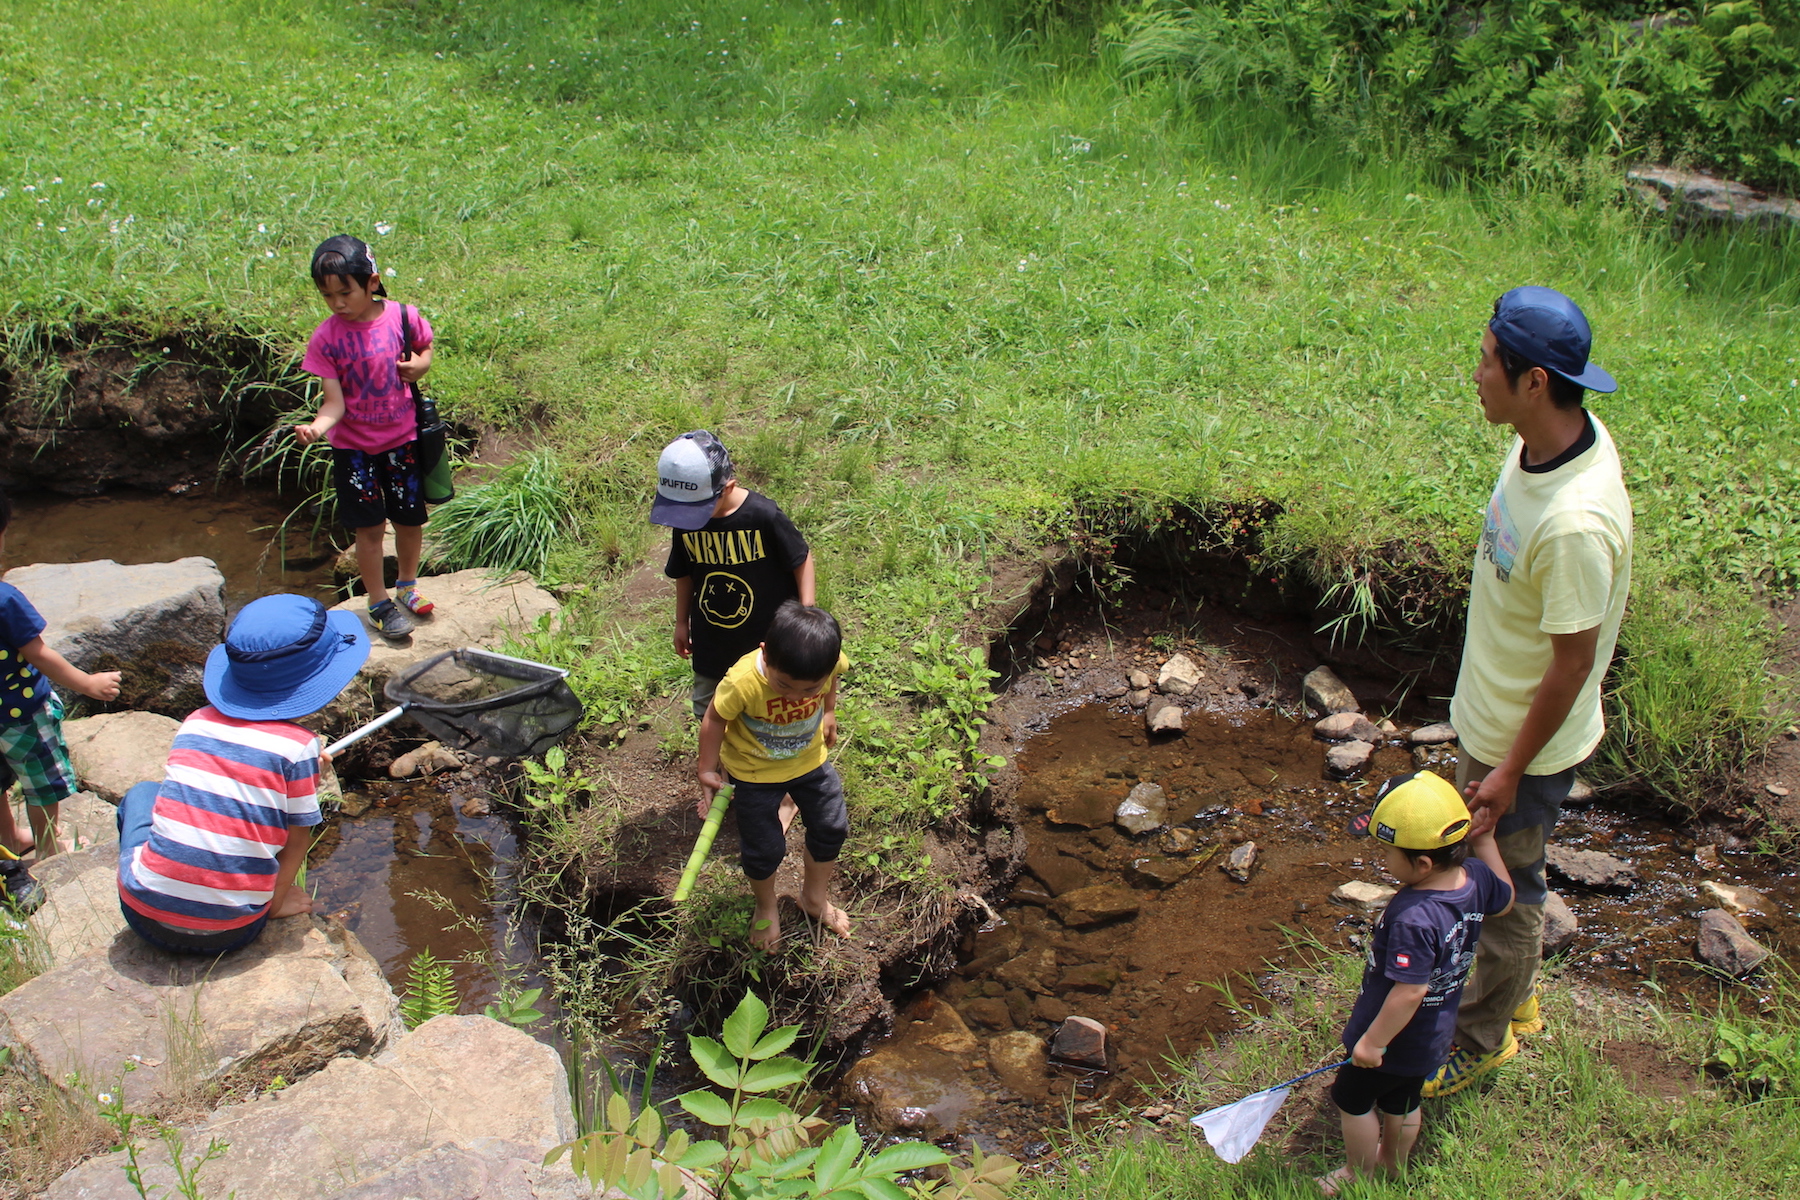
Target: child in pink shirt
(366,368)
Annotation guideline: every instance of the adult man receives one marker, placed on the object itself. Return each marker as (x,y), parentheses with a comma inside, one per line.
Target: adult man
(1545,603)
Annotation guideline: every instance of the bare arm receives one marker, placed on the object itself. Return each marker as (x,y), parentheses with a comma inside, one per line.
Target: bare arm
(1488,851)
(804,580)
(331,411)
(684,604)
(1401,1003)
(711,773)
(1571,661)
(828,721)
(64,674)
(288,900)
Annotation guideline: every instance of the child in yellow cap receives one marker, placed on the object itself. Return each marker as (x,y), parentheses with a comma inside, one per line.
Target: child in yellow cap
(1418,959)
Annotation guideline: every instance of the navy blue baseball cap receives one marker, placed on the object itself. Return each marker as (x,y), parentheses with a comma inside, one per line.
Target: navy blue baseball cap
(347,257)
(1545,326)
(285,656)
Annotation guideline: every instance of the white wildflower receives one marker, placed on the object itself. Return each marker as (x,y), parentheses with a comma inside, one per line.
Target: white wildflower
(383,227)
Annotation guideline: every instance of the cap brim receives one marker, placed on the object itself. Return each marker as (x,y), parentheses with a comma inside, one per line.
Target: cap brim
(352,651)
(681,514)
(1359,826)
(1592,378)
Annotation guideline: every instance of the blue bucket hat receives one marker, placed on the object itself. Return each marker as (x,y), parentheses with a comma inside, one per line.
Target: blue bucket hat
(1545,326)
(285,656)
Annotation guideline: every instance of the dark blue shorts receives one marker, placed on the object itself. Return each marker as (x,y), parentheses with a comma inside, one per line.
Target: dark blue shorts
(376,488)
(762,844)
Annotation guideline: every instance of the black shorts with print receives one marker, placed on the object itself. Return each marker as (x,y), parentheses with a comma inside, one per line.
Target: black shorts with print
(374,488)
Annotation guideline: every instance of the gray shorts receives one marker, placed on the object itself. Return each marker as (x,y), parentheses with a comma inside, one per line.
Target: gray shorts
(704,687)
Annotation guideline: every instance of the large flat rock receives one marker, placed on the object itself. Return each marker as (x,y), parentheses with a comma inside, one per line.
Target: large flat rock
(153,621)
(81,901)
(368,1128)
(113,752)
(299,996)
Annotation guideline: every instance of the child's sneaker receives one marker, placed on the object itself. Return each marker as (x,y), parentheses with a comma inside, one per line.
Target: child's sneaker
(1528,1018)
(410,599)
(389,620)
(1463,1068)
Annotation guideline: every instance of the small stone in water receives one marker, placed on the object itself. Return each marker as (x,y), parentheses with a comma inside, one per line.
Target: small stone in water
(477,806)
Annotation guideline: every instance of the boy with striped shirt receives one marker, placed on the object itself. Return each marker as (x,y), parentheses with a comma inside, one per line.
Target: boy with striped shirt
(209,856)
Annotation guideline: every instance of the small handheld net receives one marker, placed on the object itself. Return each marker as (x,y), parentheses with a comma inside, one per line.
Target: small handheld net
(487,704)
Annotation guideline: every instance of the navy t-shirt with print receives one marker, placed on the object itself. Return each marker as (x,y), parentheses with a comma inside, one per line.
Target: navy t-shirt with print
(1425,937)
(22,686)
(743,568)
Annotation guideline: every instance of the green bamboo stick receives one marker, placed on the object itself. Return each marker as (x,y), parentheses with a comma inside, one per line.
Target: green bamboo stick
(714,817)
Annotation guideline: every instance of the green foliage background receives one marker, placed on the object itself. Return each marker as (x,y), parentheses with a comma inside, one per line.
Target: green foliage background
(1546,82)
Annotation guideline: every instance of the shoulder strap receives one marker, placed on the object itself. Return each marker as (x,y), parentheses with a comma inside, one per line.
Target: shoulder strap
(406,350)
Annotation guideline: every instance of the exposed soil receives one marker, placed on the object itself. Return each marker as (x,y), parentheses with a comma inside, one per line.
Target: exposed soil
(150,413)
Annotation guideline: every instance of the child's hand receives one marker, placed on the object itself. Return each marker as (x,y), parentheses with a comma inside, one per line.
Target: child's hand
(684,643)
(412,369)
(101,686)
(710,783)
(293,904)
(1365,1054)
(828,727)
(306,435)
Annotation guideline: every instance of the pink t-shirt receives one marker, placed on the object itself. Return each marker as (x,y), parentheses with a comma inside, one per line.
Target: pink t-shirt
(364,357)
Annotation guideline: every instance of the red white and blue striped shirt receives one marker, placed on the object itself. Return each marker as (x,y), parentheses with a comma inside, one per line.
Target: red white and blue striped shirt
(230,792)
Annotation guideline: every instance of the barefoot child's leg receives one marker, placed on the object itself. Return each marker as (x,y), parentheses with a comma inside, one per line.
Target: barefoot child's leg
(765,922)
(815,896)
(1398,1133)
(43,828)
(10,837)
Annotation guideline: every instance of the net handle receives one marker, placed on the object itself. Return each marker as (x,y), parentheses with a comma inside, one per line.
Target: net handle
(357,735)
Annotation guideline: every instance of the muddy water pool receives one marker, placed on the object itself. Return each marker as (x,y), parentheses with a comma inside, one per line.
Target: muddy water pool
(234,527)
(1156,978)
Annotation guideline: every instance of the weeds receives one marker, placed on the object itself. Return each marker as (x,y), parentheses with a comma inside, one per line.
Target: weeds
(511,522)
(430,990)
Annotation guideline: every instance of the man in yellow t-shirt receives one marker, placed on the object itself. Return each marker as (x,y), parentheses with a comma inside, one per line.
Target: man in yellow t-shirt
(769,726)
(1545,603)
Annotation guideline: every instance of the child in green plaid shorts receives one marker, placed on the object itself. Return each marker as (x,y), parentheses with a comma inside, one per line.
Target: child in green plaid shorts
(32,752)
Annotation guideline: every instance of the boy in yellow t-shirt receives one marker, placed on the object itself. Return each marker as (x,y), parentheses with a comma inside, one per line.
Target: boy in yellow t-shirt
(768,727)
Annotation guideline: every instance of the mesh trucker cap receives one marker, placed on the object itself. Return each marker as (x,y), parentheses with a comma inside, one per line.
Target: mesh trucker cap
(690,476)
(346,256)
(1545,326)
(1415,811)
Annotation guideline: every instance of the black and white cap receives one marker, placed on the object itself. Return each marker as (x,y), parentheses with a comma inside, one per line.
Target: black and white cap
(690,476)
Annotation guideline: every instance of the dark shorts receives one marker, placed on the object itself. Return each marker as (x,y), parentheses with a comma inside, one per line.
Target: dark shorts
(1358,1089)
(761,843)
(375,488)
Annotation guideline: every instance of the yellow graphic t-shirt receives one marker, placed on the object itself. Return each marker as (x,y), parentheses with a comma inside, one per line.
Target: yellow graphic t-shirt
(769,738)
(1555,557)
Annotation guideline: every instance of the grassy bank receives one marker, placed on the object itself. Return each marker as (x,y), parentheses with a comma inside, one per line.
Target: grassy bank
(946,290)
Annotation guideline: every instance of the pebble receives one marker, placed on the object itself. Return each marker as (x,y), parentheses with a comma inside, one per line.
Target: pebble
(1775,789)
(477,806)
(1369,897)
(1433,735)
(1347,759)
(1240,862)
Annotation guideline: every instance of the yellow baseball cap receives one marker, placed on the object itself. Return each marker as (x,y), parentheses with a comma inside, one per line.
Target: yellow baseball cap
(1416,811)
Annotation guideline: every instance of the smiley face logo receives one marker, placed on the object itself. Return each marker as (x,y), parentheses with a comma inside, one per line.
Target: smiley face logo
(725,599)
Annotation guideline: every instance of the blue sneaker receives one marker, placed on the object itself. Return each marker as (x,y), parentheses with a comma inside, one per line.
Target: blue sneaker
(390,620)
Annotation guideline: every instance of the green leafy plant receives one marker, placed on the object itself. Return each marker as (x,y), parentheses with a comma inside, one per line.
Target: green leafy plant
(516,1009)
(768,1150)
(187,1174)
(1758,1059)
(551,784)
(430,990)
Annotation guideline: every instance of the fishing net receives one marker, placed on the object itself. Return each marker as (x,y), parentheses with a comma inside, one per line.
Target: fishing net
(487,704)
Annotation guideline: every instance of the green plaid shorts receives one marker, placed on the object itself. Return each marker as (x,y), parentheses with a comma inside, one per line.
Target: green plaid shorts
(33,755)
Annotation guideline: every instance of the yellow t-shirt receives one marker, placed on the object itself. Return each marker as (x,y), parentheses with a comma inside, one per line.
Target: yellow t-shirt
(769,738)
(1555,557)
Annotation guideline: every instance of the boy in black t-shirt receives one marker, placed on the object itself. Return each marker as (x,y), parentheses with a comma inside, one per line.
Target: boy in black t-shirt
(734,557)
(1417,962)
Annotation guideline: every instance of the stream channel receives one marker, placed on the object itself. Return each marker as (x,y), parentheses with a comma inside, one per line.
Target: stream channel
(426,865)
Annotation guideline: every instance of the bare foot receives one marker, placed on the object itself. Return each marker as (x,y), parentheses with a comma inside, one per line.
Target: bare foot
(765,929)
(827,914)
(788,809)
(1329,1184)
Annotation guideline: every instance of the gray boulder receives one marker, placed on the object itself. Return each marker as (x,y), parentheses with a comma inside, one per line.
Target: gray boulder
(1327,693)
(1695,198)
(1144,809)
(1560,925)
(1590,868)
(1725,945)
(1348,759)
(115,751)
(153,621)
(462,1081)
(300,995)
